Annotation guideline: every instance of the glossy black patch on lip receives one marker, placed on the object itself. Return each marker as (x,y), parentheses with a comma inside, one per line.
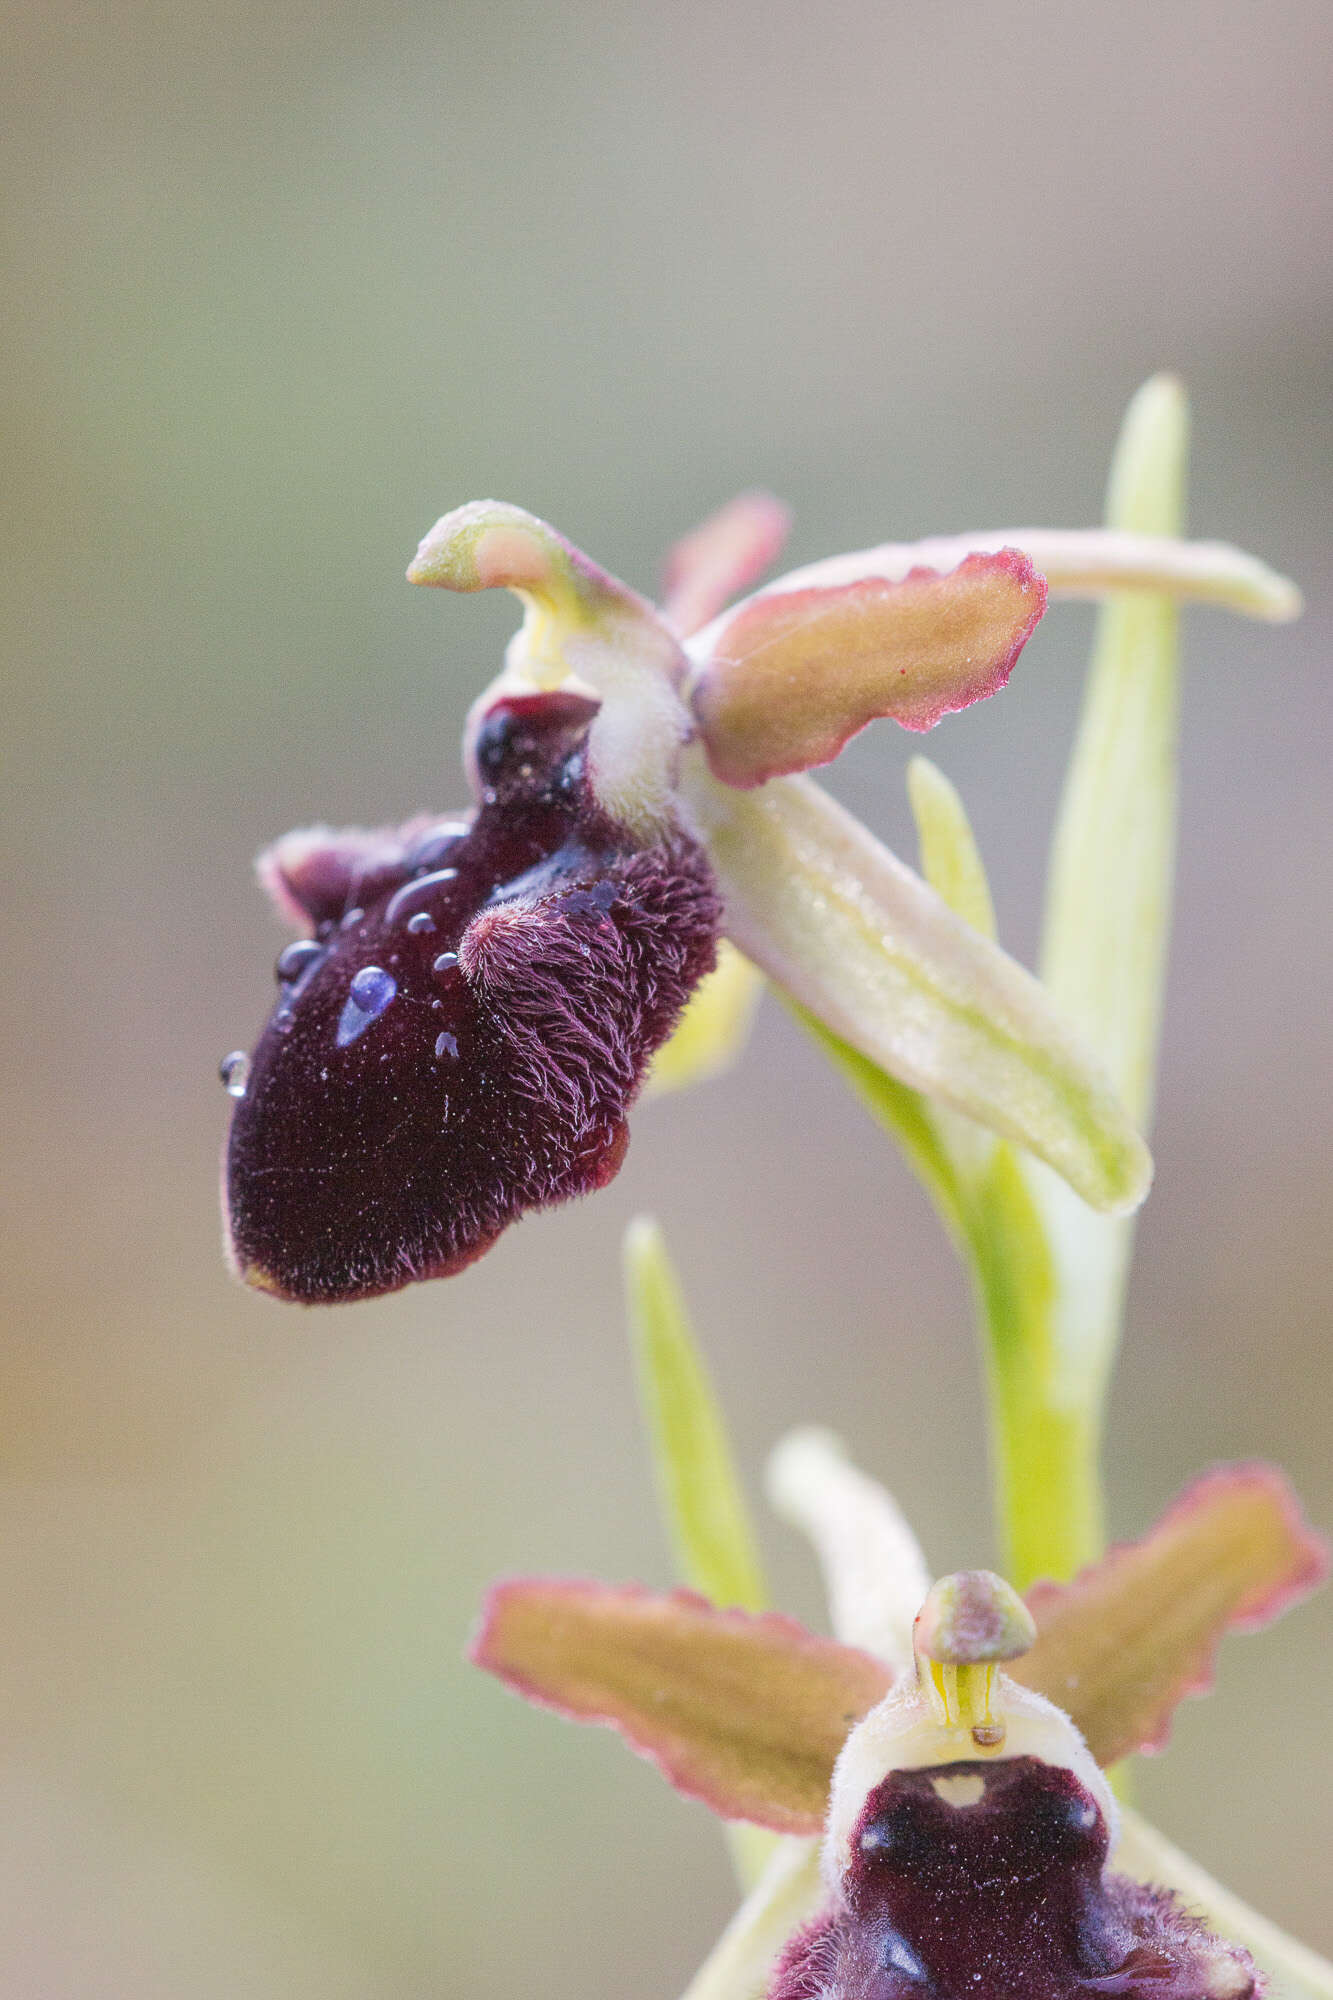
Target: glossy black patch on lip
(462,1037)
(1007,1898)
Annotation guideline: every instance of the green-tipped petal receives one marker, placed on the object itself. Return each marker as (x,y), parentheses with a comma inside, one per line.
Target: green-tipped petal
(874,1571)
(945,1152)
(1296,1972)
(714,1028)
(702,1504)
(492,545)
(863,943)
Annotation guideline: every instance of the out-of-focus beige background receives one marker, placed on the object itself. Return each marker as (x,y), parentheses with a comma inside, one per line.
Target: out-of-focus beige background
(284,282)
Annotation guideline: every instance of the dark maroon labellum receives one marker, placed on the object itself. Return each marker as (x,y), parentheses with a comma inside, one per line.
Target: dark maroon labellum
(989,1879)
(461,1039)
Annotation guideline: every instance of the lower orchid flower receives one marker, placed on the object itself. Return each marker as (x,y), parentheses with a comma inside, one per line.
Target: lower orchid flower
(938,1771)
(463,1025)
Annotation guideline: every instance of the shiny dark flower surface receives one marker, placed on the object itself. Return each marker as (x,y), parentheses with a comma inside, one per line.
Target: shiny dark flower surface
(990,1879)
(461,1037)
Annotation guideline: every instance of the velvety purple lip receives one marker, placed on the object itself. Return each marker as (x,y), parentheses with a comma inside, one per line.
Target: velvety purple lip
(463,1035)
(1006,1895)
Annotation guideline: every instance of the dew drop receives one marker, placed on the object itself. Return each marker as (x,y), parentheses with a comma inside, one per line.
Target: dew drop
(235,1072)
(372,989)
(351,919)
(412,892)
(421,923)
(367,997)
(297,959)
(446,962)
(446,1045)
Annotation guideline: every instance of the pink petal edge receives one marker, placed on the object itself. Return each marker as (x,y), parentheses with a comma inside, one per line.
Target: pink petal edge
(678,1769)
(821,737)
(1312,1561)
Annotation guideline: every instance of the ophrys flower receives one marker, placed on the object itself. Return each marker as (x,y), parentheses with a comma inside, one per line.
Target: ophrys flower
(938,1778)
(460,1034)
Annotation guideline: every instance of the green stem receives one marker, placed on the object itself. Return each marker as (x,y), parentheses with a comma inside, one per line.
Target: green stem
(1045,1421)
(1048,1484)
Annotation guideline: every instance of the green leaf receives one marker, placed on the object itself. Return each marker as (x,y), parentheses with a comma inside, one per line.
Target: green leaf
(703,1506)
(1109,895)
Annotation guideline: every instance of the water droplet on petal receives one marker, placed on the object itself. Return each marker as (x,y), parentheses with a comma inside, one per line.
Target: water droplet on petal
(235,1072)
(367,997)
(413,892)
(373,988)
(446,1045)
(421,923)
(351,919)
(446,962)
(297,959)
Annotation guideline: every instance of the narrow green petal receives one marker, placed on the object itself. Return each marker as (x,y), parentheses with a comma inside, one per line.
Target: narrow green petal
(868,947)
(1296,1972)
(714,1027)
(786,1897)
(703,1506)
(874,1571)
(699,1492)
(1108,906)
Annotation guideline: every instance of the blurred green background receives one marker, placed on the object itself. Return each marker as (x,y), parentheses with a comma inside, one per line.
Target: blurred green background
(283,283)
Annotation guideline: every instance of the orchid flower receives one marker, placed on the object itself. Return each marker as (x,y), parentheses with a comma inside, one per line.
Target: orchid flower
(460,1031)
(937,1771)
